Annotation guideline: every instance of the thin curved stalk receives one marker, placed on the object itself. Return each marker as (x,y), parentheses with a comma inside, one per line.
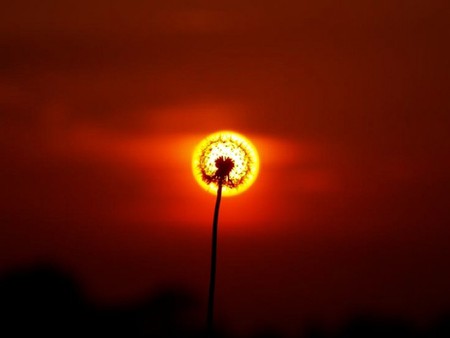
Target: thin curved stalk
(212,279)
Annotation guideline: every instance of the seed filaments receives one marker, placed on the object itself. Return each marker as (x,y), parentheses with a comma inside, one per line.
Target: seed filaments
(226,159)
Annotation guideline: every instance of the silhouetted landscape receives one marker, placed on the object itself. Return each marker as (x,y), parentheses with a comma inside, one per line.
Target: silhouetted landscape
(46,302)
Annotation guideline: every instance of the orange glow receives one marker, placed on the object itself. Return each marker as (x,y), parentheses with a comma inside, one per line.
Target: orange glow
(226,144)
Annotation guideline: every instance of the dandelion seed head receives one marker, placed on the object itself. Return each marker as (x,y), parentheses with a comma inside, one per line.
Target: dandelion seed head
(225,158)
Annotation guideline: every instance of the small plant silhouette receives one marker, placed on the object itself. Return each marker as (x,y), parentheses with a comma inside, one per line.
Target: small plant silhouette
(224,166)
(240,162)
(224,160)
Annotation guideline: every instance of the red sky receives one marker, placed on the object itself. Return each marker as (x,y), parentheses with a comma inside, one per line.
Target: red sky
(102,104)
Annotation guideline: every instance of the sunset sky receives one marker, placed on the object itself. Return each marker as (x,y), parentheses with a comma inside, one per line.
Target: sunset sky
(103,102)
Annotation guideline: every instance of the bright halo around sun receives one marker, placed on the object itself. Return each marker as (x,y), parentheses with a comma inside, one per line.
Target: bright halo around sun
(237,155)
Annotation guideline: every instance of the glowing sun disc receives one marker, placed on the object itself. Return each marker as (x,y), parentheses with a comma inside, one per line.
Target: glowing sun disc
(231,145)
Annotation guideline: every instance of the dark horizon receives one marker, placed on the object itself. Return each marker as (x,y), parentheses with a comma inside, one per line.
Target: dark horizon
(43,299)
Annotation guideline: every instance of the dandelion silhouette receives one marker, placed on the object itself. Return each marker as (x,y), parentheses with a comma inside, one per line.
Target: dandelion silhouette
(224,166)
(239,168)
(229,162)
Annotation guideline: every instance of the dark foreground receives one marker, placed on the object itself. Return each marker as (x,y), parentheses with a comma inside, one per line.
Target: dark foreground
(43,302)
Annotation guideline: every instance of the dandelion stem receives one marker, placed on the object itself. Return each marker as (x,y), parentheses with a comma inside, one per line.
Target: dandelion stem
(212,280)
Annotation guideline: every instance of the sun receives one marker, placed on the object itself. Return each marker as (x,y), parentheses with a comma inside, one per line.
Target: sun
(227,158)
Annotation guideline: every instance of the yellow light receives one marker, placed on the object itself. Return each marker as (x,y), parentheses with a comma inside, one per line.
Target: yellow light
(226,144)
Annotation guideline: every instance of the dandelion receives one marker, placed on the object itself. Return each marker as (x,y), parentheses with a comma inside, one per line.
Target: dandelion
(228,159)
(229,162)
